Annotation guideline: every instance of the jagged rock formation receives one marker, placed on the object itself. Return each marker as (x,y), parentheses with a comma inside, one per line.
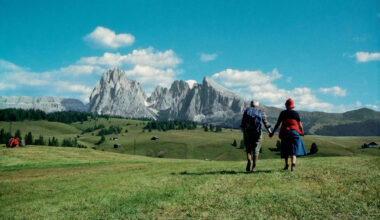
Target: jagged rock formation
(115,94)
(207,103)
(46,104)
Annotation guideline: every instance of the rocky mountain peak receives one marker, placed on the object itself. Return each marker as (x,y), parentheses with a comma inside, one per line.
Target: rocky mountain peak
(208,83)
(179,87)
(115,94)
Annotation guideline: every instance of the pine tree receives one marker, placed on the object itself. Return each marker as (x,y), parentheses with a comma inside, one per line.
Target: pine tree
(54,142)
(18,134)
(41,140)
(242,145)
(102,139)
(313,148)
(29,138)
(2,136)
(234,143)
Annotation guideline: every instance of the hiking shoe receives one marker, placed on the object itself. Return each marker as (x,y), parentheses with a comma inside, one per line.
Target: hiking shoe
(248,168)
(293,167)
(253,169)
(286,167)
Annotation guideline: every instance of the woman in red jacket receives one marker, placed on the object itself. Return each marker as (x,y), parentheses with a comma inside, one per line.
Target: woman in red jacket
(290,134)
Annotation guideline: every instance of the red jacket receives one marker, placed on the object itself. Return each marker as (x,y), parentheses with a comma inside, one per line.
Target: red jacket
(289,124)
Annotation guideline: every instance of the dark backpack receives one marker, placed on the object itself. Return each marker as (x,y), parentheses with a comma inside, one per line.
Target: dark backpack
(255,120)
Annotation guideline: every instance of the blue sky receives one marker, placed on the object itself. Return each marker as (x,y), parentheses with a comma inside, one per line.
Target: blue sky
(324,54)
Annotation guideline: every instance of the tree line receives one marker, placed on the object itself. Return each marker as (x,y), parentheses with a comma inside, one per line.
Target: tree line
(170,125)
(30,140)
(13,114)
(211,127)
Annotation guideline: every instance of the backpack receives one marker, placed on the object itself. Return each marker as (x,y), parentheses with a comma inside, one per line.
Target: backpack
(254,120)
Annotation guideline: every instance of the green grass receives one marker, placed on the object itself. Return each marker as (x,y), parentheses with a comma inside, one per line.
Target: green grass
(45,128)
(68,183)
(184,144)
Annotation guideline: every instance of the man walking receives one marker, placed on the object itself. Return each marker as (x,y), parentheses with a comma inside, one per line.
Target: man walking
(251,125)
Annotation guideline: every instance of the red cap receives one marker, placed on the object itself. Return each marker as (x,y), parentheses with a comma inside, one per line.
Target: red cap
(289,103)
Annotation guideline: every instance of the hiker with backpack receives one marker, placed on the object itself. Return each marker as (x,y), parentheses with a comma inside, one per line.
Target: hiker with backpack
(290,134)
(251,125)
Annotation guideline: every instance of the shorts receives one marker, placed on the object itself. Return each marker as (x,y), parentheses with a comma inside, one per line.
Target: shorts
(252,142)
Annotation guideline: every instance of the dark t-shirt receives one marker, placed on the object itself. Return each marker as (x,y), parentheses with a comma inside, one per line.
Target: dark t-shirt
(288,114)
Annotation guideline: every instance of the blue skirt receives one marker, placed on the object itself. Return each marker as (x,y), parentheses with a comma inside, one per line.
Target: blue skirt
(292,145)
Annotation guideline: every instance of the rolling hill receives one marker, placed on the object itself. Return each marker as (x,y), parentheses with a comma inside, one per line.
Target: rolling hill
(189,144)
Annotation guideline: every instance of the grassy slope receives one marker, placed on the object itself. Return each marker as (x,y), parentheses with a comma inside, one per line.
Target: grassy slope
(187,143)
(47,182)
(45,128)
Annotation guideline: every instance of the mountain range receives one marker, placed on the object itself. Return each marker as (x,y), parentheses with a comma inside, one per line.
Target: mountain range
(206,102)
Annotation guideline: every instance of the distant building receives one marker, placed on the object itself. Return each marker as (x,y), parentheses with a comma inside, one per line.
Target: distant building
(116,146)
(154,138)
(114,138)
(373,145)
(79,136)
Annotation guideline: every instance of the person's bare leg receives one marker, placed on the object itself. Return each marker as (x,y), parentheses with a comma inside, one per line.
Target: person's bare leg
(254,163)
(286,163)
(294,159)
(294,162)
(249,158)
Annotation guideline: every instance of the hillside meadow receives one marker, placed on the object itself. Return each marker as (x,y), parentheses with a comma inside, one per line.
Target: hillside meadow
(183,144)
(183,174)
(40,182)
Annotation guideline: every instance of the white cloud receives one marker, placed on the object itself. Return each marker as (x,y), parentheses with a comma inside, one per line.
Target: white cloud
(376,107)
(147,66)
(151,76)
(82,69)
(85,91)
(4,86)
(232,78)
(260,86)
(10,72)
(205,57)
(145,57)
(358,103)
(31,79)
(8,66)
(335,90)
(363,57)
(105,37)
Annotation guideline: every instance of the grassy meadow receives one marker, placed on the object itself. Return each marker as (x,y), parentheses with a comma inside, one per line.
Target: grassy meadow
(183,144)
(42,182)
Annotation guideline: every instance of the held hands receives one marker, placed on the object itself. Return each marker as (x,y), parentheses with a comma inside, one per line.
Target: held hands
(270,133)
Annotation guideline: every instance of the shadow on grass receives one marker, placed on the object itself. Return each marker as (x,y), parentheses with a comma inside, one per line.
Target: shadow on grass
(222,172)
